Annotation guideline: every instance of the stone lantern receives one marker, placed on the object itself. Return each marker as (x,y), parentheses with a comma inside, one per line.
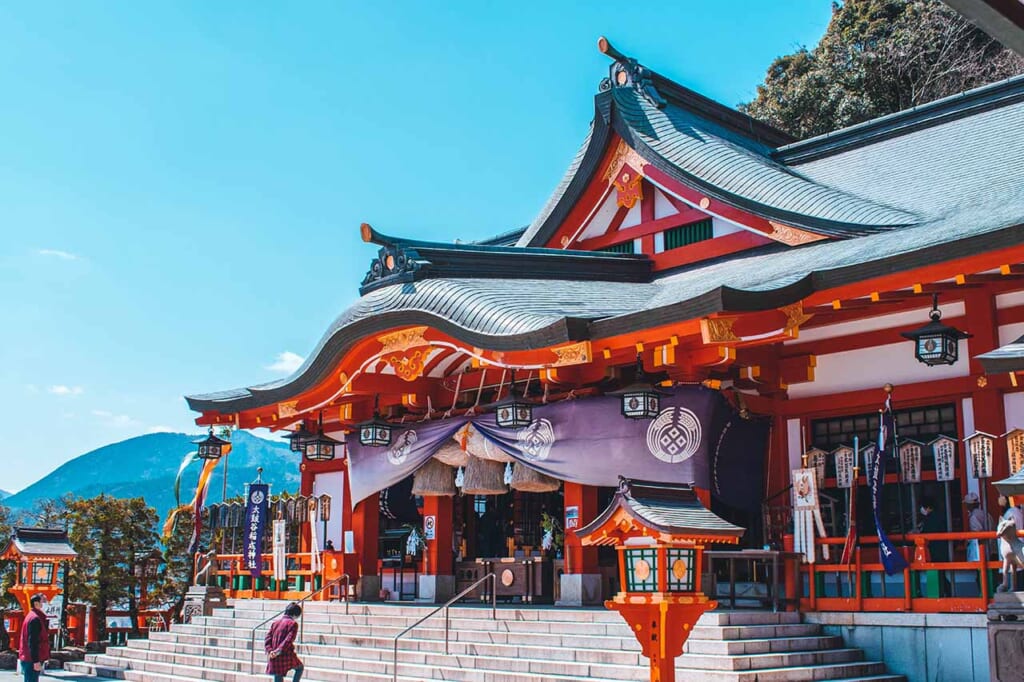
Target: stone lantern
(659,530)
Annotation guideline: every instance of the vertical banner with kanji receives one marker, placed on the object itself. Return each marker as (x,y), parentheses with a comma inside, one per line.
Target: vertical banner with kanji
(255,522)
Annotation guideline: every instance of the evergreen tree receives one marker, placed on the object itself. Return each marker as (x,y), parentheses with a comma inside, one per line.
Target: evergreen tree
(878,57)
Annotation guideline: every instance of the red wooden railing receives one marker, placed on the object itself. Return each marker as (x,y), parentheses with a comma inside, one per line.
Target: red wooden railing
(859,582)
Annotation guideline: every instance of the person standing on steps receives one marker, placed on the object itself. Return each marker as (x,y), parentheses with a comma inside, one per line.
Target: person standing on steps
(34,649)
(280,645)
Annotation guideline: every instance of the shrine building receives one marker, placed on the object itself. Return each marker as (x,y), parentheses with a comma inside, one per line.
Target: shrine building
(702,299)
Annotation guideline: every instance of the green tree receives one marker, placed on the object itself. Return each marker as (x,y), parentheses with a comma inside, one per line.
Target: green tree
(878,57)
(7,567)
(114,539)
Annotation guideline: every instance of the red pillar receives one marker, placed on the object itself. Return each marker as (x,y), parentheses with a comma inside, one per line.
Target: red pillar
(365,530)
(439,550)
(580,559)
(987,400)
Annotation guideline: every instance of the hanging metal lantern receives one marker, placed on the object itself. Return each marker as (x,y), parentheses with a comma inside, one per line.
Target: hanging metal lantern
(936,343)
(843,459)
(375,433)
(320,448)
(211,447)
(944,451)
(513,411)
(815,459)
(640,400)
(979,450)
(910,461)
(297,439)
(1015,450)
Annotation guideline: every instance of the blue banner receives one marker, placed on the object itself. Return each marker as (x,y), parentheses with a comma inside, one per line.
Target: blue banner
(892,560)
(255,522)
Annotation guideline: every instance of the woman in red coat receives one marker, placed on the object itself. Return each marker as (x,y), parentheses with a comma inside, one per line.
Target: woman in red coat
(280,645)
(34,649)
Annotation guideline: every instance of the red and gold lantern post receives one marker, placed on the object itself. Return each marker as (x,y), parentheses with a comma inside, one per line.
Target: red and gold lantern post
(659,564)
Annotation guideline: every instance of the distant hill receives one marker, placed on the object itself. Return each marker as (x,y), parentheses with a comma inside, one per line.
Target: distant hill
(3,494)
(146,466)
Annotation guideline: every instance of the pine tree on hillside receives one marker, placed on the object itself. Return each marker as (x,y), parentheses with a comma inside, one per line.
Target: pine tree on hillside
(878,57)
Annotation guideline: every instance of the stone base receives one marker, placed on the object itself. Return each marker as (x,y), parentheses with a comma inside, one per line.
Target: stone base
(368,588)
(436,589)
(1006,636)
(580,589)
(201,600)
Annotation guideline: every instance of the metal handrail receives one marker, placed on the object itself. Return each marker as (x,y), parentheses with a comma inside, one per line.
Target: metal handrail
(445,606)
(344,577)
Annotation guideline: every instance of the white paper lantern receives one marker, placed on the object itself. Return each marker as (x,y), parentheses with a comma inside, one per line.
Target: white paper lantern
(1015,450)
(816,460)
(944,451)
(910,461)
(843,458)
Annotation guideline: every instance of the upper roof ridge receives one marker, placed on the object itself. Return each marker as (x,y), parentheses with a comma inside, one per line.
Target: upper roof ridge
(659,90)
(961,105)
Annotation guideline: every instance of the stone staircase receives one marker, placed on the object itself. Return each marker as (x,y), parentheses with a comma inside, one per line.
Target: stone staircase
(524,645)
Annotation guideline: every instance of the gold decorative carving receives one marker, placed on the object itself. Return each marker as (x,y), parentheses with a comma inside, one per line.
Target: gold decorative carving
(795,316)
(573,354)
(629,188)
(403,340)
(718,329)
(791,235)
(408,366)
(288,409)
(624,156)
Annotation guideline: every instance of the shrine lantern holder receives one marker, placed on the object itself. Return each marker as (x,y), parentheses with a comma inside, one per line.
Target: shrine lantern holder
(659,531)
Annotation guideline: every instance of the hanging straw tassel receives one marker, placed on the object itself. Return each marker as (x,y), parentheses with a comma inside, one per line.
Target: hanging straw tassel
(479,446)
(483,477)
(434,478)
(452,454)
(532,481)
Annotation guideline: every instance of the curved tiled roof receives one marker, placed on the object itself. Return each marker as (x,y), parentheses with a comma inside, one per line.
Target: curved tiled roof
(741,172)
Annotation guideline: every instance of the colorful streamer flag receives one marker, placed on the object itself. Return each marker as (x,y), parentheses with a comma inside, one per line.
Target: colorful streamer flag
(851,519)
(892,560)
(199,501)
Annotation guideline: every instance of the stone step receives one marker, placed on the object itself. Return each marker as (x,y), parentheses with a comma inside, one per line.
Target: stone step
(725,647)
(789,659)
(756,631)
(831,671)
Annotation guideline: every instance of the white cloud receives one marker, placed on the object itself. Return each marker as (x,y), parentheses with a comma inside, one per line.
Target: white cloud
(56,253)
(117,420)
(61,389)
(286,363)
(160,428)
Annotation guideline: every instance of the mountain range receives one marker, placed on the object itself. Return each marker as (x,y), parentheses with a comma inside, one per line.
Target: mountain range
(3,494)
(147,465)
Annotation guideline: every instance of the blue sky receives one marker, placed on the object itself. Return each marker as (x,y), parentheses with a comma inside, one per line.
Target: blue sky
(181,184)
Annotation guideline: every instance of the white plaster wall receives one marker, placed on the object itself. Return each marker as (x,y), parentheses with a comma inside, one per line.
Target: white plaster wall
(1013,404)
(721,227)
(602,218)
(794,442)
(909,319)
(1009,333)
(873,368)
(1010,299)
(967,412)
(633,216)
(331,483)
(662,206)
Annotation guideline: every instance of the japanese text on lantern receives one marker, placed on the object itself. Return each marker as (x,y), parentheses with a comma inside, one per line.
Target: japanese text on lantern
(1015,450)
(980,446)
(844,466)
(910,462)
(944,450)
(816,460)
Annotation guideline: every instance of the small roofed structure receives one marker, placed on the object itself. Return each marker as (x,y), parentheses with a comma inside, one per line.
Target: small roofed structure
(1008,358)
(663,512)
(38,553)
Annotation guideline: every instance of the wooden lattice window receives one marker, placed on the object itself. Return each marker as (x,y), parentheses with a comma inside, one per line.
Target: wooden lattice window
(684,235)
(621,247)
